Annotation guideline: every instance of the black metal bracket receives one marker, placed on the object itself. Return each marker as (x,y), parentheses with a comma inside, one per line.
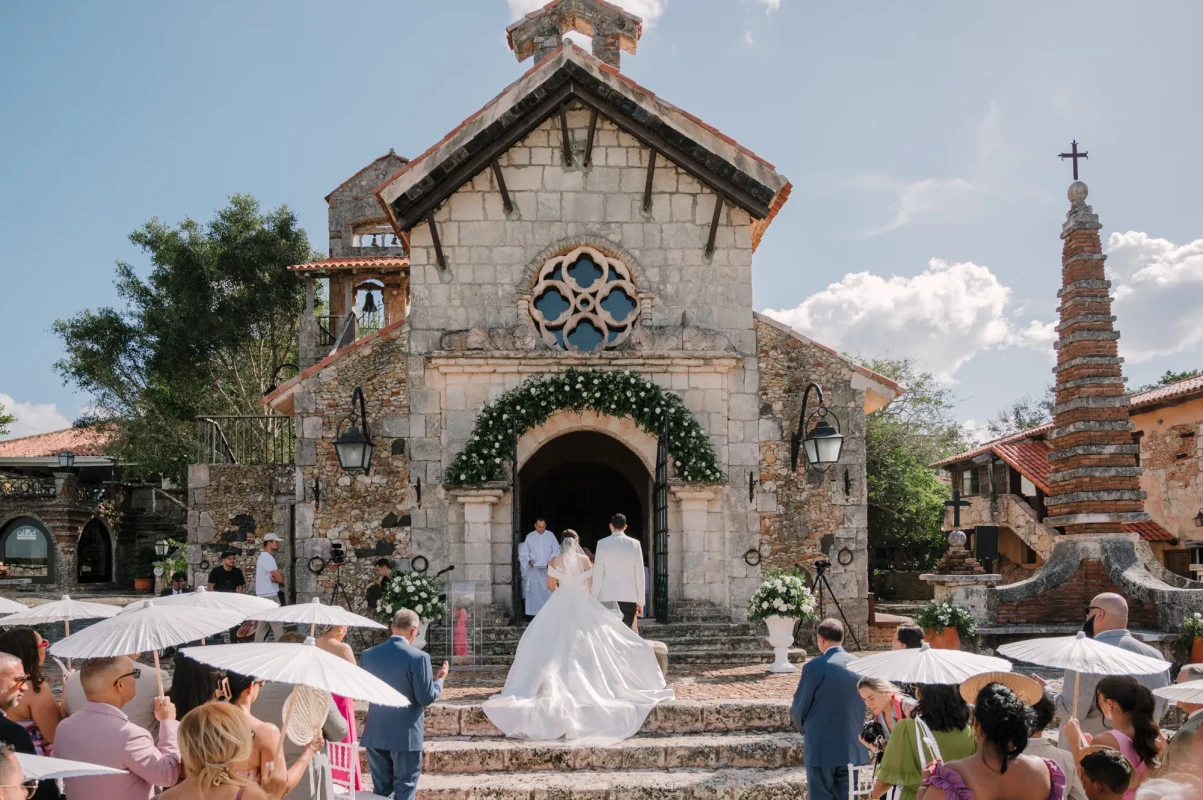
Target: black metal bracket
(505,195)
(795,441)
(751,486)
(752,557)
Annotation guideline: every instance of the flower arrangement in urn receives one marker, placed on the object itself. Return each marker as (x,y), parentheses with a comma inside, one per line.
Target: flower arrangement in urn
(780,601)
(945,625)
(418,592)
(1192,637)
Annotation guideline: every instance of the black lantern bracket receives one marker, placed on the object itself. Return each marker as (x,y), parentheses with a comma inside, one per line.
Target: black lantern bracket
(353,445)
(822,429)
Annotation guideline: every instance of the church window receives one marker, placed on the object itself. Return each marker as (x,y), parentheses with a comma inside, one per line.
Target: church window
(584,301)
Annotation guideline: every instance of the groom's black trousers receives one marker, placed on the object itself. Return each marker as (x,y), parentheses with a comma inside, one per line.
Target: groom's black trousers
(628,613)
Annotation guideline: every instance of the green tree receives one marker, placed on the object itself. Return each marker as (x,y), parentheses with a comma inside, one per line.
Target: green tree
(203,333)
(6,419)
(1169,377)
(905,496)
(1029,411)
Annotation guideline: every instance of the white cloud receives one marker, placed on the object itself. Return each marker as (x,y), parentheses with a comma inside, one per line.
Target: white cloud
(770,5)
(1157,286)
(649,10)
(749,39)
(1036,335)
(32,418)
(944,316)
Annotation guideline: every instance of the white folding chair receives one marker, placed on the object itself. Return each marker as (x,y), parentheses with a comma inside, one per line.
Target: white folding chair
(344,762)
(860,780)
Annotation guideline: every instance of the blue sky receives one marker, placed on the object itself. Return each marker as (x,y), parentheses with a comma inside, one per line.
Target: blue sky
(920,139)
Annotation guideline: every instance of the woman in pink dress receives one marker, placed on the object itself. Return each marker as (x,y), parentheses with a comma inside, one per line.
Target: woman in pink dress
(1129,708)
(332,641)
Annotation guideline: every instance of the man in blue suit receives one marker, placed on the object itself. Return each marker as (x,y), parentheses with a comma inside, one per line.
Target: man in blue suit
(393,736)
(829,714)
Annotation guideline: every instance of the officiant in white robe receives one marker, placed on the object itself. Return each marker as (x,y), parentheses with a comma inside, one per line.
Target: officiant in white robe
(540,546)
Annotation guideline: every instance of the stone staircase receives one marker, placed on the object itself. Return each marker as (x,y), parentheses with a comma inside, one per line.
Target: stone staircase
(697,750)
(696,635)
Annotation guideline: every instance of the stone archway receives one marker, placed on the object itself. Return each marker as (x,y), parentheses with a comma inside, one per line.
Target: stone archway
(94,553)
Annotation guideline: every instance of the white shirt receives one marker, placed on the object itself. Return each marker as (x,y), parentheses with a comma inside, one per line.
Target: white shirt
(265,565)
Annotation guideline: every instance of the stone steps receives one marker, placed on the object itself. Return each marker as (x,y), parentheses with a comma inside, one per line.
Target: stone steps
(684,717)
(687,784)
(649,630)
(740,644)
(737,658)
(699,751)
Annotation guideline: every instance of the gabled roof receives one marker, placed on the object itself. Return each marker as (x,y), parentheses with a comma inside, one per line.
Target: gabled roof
(1029,458)
(353,262)
(80,441)
(1178,391)
(716,160)
(390,154)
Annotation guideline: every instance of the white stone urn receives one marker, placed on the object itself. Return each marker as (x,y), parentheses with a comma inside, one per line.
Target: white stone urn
(781,638)
(420,640)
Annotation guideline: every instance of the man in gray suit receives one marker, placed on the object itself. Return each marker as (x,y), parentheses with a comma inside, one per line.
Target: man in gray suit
(393,736)
(318,783)
(1107,622)
(826,712)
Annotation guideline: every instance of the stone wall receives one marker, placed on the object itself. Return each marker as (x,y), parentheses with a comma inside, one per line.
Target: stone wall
(1171,457)
(232,507)
(1066,602)
(808,515)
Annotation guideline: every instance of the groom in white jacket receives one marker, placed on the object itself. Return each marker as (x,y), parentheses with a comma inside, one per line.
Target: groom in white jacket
(618,571)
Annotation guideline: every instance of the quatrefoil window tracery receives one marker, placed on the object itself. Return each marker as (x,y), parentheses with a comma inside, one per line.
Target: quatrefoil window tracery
(584,301)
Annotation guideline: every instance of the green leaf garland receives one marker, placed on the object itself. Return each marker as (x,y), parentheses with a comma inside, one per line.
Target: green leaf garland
(616,394)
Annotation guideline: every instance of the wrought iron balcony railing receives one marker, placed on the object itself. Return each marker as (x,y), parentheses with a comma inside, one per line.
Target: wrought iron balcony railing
(14,487)
(268,439)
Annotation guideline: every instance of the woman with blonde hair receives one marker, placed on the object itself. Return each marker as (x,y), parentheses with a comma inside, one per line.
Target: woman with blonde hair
(211,738)
(888,705)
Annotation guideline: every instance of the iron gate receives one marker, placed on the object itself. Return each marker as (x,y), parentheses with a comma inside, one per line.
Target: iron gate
(660,523)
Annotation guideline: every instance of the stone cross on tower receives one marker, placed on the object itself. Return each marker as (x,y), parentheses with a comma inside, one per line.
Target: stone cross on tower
(541,32)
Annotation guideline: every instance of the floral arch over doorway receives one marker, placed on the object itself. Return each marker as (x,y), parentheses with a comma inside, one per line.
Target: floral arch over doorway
(617,394)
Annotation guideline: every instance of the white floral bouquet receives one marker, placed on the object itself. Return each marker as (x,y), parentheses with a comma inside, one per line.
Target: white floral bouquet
(1192,628)
(782,595)
(416,591)
(938,616)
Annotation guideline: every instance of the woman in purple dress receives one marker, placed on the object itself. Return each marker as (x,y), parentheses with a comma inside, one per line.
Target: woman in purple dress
(998,770)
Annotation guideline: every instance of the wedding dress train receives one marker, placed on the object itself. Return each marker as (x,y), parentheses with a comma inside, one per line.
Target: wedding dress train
(579,673)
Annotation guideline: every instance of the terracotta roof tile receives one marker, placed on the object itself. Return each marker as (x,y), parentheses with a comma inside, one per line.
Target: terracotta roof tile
(988,446)
(1172,392)
(1150,531)
(80,441)
(335,264)
(1030,458)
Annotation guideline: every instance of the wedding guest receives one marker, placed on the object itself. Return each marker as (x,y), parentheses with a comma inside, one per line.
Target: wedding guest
(39,712)
(140,710)
(194,684)
(826,712)
(102,734)
(265,764)
(540,547)
(226,577)
(1042,716)
(318,781)
(1105,773)
(886,702)
(907,636)
(941,716)
(384,571)
(333,641)
(999,769)
(269,583)
(13,785)
(393,736)
(179,585)
(1188,673)
(1107,622)
(212,737)
(1129,709)
(12,685)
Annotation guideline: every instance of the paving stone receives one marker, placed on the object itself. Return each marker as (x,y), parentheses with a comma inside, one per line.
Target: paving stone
(726,784)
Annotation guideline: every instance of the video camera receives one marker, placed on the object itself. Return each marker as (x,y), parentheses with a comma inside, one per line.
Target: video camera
(820,566)
(337,556)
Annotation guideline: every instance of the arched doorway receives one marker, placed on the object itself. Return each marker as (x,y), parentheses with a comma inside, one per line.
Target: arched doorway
(94,554)
(27,550)
(579,480)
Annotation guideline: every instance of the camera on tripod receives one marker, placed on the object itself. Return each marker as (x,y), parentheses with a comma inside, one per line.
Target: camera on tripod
(337,556)
(820,566)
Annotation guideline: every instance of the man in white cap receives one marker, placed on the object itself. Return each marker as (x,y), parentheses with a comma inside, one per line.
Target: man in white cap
(268,583)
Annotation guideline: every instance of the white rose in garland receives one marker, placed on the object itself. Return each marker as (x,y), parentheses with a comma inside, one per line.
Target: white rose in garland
(620,394)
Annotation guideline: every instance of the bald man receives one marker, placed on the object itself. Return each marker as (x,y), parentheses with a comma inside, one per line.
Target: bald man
(12,687)
(101,733)
(12,778)
(1107,622)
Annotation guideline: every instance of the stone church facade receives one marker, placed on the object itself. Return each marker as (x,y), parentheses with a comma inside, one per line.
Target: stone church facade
(576,221)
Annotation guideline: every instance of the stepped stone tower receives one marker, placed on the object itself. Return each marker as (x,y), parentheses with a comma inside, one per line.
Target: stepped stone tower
(1096,483)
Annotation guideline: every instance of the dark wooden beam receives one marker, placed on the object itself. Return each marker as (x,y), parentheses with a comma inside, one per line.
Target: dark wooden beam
(647,187)
(567,143)
(589,140)
(505,195)
(718,212)
(434,237)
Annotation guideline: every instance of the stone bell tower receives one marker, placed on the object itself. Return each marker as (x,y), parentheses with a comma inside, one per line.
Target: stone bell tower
(541,32)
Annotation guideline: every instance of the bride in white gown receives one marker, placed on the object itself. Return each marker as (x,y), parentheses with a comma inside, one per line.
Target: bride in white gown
(579,673)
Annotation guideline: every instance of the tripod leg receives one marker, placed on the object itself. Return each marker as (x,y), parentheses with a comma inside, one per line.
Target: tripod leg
(840,608)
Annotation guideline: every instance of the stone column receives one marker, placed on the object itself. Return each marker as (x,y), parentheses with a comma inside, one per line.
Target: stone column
(697,547)
(478,532)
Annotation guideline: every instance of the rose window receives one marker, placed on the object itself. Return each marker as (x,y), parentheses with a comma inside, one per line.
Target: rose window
(584,301)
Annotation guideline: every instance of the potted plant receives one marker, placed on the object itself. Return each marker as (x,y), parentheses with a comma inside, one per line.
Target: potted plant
(418,592)
(1192,637)
(144,570)
(946,625)
(781,600)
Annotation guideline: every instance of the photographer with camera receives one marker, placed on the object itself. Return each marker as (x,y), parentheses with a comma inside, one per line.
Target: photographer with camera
(269,583)
(888,705)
